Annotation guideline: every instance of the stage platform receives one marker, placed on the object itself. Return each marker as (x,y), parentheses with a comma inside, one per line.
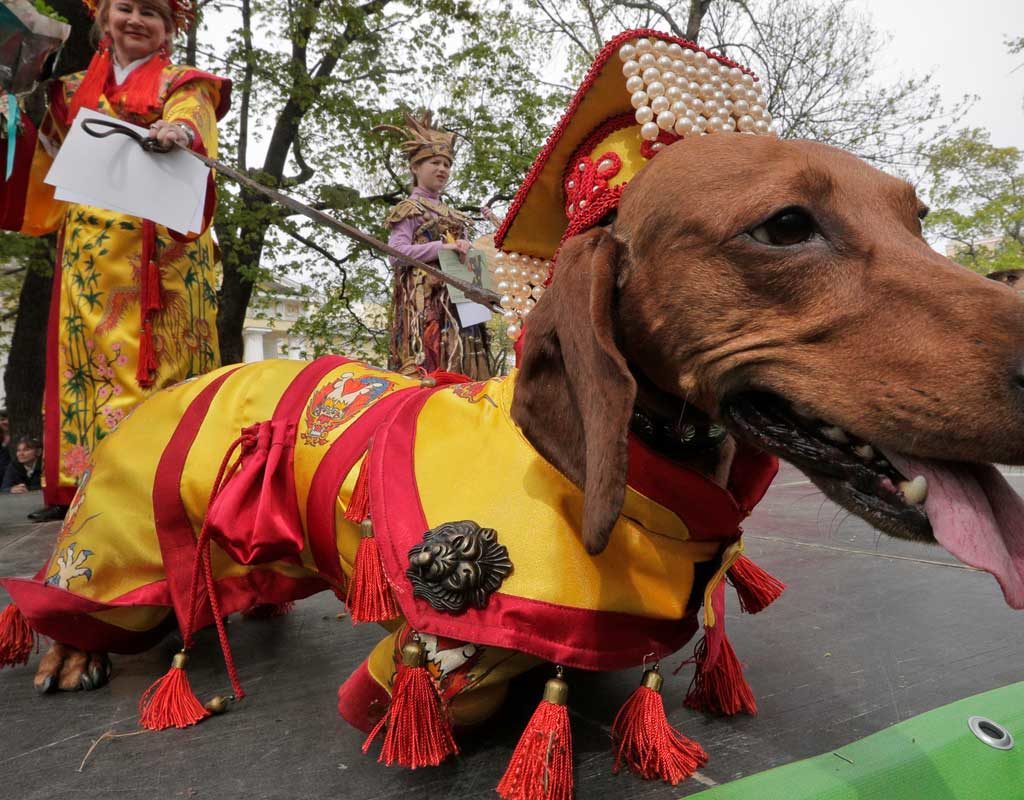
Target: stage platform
(871,632)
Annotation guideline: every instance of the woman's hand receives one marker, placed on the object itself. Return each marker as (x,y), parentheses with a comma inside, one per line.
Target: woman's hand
(461,246)
(169,133)
(19,488)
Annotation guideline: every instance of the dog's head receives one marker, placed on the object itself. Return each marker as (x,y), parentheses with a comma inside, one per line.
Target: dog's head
(785,290)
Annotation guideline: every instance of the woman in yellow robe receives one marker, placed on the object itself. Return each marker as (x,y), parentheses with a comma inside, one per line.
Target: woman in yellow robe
(134,304)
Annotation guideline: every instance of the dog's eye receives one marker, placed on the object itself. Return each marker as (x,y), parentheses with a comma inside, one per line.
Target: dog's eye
(789,227)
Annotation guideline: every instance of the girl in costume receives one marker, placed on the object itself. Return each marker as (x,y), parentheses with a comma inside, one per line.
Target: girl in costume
(134,305)
(426,334)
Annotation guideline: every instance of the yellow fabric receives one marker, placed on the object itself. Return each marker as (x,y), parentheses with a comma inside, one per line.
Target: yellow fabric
(111,519)
(98,321)
(108,546)
(646,570)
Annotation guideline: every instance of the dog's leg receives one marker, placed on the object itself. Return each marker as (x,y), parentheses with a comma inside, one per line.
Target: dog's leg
(68,669)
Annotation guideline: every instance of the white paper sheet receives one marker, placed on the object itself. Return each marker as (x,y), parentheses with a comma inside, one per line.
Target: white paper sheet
(116,174)
(472,314)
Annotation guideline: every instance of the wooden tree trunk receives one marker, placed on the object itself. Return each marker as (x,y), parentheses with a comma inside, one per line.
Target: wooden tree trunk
(26,362)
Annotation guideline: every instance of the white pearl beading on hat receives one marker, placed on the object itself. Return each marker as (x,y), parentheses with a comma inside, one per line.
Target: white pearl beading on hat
(687,93)
(674,89)
(520,282)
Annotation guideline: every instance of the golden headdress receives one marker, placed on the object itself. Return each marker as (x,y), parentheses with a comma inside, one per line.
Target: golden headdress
(422,141)
(182,12)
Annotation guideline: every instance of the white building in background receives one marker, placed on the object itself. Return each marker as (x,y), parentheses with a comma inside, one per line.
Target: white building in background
(276,306)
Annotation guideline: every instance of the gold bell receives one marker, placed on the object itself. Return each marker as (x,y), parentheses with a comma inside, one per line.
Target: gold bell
(366,529)
(652,680)
(180,660)
(428,383)
(218,704)
(414,654)
(556,690)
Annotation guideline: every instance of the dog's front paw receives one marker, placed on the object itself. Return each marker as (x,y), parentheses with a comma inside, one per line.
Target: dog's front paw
(66,669)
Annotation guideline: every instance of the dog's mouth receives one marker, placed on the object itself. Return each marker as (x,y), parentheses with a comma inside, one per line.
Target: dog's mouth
(968,508)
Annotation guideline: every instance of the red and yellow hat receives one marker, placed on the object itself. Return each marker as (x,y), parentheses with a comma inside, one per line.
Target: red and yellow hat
(182,11)
(645,90)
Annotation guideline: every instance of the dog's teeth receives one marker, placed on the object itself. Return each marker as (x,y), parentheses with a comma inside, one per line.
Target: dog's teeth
(835,434)
(915,491)
(865,451)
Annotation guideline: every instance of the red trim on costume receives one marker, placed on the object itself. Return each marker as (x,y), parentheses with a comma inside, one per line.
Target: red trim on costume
(596,640)
(192,74)
(65,616)
(609,50)
(174,531)
(330,475)
(708,510)
(54,494)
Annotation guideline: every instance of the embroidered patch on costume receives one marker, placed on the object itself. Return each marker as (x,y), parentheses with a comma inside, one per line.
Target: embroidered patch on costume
(474,392)
(339,401)
(70,565)
(458,564)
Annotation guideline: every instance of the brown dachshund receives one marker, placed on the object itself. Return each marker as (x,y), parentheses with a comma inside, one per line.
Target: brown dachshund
(781,291)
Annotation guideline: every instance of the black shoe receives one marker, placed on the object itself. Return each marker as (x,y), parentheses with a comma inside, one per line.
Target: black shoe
(48,514)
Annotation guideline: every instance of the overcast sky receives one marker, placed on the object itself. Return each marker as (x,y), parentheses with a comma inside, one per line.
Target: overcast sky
(964,44)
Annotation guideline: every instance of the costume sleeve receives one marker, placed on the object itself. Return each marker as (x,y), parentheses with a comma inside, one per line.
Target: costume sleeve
(401,239)
(27,204)
(194,103)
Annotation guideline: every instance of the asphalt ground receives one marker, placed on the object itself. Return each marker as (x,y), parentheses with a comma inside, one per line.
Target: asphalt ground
(870,632)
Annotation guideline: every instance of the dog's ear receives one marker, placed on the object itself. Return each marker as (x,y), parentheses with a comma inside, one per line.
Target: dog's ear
(574,395)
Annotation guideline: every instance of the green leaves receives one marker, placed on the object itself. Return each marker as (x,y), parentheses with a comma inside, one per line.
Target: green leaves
(976,192)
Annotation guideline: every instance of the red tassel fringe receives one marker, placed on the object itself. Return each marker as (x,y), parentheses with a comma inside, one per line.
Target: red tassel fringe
(418,732)
(268,610)
(649,745)
(170,702)
(17,639)
(369,596)
(359,504)
(720,689)
(757,589)
(541,766)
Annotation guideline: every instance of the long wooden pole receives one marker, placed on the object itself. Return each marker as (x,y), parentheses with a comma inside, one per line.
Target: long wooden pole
(474,293)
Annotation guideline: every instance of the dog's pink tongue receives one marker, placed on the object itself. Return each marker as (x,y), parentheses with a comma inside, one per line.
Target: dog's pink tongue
(977,516)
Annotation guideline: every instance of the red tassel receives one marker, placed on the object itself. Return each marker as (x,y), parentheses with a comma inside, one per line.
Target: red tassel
(95,79)
(719,688)
(757,589)
(169,702)
(442,378)
(147,366)
(359,504)
(369,596)
(541,765)
(153,300)
(418,732)
(17,639)
(268,610)
(645,740)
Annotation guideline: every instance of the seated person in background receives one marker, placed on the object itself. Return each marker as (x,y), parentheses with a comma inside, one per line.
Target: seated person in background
(25,473)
